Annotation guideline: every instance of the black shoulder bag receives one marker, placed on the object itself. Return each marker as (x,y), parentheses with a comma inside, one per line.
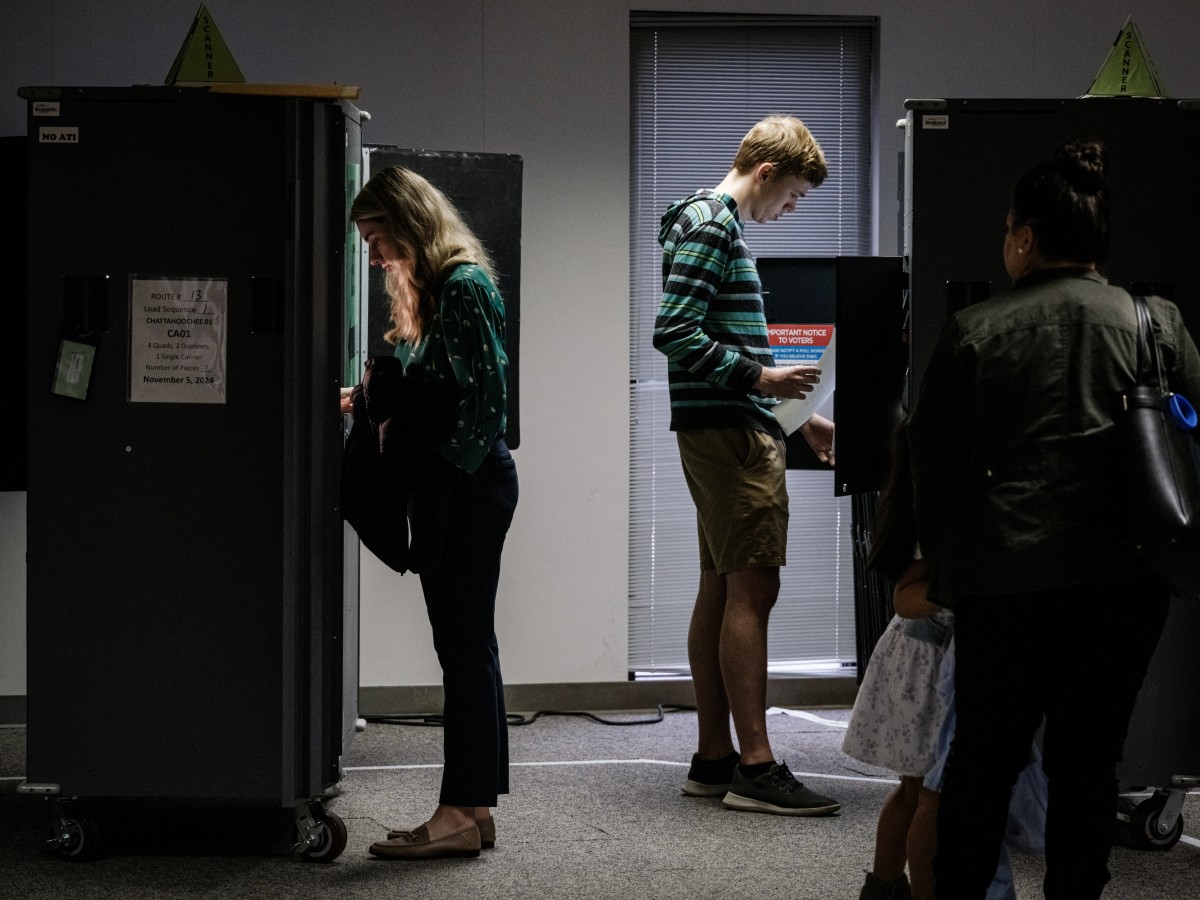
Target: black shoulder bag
(1156,429)
(374,490)
(392,475)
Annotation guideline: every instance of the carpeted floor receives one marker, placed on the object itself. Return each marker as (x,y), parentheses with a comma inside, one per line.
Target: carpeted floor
(595,812)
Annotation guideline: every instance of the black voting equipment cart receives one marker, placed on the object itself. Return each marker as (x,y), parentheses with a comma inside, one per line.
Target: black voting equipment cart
(192,612)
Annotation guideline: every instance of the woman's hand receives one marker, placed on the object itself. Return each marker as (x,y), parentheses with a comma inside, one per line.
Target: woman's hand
(346,401)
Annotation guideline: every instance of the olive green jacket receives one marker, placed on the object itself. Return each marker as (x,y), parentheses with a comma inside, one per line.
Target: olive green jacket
(1012,439)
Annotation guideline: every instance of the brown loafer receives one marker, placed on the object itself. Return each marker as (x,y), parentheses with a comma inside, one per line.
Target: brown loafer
(417,845)
(487,832)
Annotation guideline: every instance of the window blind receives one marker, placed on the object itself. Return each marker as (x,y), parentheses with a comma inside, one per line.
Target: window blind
(698,84)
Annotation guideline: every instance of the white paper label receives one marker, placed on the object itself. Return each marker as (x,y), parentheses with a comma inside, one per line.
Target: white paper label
(177,336)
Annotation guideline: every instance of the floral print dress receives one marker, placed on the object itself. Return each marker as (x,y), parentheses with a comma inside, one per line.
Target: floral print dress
(899,711)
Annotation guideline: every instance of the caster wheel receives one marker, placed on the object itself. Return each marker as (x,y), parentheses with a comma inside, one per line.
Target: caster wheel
(1148,831)
(331,840)
(77,838)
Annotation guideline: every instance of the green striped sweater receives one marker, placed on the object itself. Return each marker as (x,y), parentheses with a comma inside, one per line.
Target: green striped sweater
(710,323)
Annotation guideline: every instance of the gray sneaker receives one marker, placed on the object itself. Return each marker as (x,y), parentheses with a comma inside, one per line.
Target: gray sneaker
(776,792)
(710,777)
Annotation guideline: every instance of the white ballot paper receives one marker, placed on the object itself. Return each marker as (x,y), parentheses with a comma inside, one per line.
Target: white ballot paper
(792,413)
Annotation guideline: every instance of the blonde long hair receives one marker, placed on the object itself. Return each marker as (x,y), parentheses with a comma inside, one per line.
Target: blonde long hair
(429,230)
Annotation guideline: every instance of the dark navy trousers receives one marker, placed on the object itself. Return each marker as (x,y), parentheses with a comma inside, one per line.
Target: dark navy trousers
(460,597)
(1076,655)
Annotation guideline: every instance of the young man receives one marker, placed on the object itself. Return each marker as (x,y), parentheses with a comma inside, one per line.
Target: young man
(723,383)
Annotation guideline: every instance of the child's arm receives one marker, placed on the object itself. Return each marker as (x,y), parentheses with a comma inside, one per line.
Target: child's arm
(909,597)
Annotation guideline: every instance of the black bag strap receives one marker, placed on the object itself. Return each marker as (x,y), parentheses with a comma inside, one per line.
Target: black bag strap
(1147,343)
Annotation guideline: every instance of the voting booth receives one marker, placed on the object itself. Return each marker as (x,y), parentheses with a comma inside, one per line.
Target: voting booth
(192,592)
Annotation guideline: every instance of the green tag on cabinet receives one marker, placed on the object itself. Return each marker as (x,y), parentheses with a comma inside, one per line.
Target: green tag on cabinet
(73,372)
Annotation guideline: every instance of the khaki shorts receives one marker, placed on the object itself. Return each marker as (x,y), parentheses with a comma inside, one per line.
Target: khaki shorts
(737,480)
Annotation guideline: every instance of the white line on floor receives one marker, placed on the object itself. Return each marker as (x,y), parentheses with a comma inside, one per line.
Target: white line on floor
(619,762)
(800,714)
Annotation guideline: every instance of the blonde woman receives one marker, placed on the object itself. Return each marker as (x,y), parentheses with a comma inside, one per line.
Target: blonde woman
(448,329)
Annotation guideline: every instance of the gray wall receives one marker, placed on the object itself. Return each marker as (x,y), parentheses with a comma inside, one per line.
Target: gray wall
(548,80)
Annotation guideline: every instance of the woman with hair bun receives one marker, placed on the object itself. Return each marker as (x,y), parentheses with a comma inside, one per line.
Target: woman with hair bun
(1013,452)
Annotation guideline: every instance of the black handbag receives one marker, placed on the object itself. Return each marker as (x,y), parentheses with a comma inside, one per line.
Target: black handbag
(396,492)
(374,490)
(1157,433)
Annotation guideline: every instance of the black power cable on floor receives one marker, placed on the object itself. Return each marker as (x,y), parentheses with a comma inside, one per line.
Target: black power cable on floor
(437,721)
